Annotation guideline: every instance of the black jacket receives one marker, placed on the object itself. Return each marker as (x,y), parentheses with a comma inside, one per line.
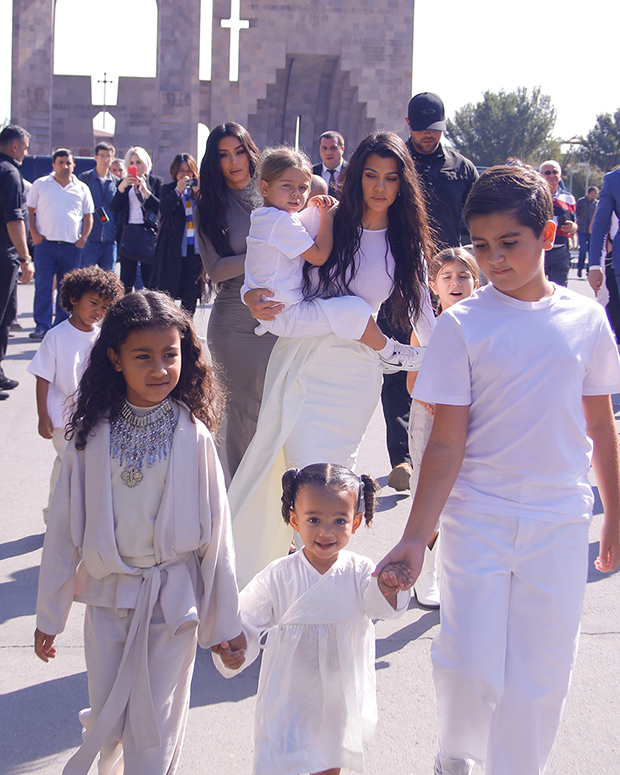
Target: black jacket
(168,258)
(120,202)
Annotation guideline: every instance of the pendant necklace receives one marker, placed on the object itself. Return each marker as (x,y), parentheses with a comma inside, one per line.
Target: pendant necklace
(139,438)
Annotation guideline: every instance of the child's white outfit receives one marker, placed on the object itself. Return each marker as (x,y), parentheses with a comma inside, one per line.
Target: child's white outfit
(273,260)
(515,526)
(142,621)
(316,702)
(61,359)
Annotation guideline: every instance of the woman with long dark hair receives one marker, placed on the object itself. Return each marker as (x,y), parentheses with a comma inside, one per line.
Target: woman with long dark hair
(225,202)
(320,392)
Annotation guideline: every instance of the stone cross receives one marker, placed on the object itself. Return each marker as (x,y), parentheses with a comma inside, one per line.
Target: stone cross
(235,24)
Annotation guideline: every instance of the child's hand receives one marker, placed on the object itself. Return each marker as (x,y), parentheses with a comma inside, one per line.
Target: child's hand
(395,576)
(44,645)
(323,201)
(609,548)
(392,579)
(232,652)
(46,427)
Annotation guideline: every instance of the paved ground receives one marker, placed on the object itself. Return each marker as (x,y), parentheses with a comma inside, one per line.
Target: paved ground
(39,703)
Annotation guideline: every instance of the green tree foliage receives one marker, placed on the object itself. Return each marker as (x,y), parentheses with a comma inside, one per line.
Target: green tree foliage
(602,144)
(504,124)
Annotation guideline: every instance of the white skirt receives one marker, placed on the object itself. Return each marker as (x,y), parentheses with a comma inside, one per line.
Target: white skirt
(319,396)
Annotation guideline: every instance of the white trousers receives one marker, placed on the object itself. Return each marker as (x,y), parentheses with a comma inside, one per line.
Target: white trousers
(170,667)
(60,445)
(511,601)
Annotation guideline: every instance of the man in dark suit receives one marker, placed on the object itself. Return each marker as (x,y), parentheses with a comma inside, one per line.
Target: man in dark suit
(608,205)
(331,149)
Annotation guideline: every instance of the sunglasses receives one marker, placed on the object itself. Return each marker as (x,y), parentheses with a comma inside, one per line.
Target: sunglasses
(548,173)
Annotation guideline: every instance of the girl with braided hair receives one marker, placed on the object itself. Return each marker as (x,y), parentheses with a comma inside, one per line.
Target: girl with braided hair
(312,613)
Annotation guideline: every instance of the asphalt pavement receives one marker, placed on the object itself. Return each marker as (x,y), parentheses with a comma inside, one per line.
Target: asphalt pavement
(39,728)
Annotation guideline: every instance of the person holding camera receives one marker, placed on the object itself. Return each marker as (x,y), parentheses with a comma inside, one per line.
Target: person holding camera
(178,266)
(557,260)
(136,205)
(100,248)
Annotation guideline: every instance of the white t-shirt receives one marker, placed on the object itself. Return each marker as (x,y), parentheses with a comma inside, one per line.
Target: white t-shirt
(523,368)
(136,214)
(60,209)
(61,359)
(273,258)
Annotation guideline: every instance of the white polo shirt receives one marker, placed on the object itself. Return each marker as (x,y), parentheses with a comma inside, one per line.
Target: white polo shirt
(60,209)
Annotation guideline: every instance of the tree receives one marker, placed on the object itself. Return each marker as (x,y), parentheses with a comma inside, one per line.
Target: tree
(504,124)
(602,144)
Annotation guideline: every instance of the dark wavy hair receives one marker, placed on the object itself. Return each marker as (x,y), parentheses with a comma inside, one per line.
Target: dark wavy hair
(519,191)
(89,279)
(408,233)
(213,194)
(102,388)
(333,475)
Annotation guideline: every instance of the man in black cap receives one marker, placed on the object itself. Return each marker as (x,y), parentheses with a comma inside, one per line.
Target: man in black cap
(447,176)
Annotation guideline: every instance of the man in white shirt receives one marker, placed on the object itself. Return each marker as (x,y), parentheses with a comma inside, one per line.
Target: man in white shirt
(331,149)
(61,216)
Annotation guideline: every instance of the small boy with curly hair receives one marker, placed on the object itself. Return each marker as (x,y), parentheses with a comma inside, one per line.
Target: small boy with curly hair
(58,364)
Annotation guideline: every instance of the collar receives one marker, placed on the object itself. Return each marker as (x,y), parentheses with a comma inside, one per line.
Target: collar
(335,169)
(438,153)
(6,157)
(73,179)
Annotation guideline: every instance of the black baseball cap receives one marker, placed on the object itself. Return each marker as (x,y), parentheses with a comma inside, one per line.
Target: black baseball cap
(426,111)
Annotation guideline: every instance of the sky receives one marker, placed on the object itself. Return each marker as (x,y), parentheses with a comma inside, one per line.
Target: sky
(461,49)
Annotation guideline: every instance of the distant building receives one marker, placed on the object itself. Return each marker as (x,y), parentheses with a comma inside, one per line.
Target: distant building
(336,64)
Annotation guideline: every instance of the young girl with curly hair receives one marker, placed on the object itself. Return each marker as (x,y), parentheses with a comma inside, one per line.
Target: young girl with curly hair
(139,530)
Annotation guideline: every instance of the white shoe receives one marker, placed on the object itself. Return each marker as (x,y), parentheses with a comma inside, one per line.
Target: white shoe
(427,587)
(405,357)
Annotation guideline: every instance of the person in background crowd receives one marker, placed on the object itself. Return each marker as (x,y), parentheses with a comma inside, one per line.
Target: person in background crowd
(557,260)
(60,209)
(136,204)
(14,142)
(177,266)
(118,169)
(100,248)
(446,178)
(331,150)
(586,207)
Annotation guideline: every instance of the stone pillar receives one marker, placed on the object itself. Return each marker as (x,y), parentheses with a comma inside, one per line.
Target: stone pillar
(33,57)
(178,84)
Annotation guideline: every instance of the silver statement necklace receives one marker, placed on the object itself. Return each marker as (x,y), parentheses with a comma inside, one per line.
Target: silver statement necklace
(139,438)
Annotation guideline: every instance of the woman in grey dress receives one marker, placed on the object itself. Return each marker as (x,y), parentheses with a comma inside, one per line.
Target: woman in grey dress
(222,225)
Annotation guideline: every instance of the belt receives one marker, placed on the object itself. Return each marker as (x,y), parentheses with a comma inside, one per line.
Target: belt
(59,242)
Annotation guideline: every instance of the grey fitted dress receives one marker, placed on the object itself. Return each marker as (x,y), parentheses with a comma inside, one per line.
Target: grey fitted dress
(240,355)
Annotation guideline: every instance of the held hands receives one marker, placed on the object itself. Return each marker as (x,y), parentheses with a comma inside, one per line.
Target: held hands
(232,652)
(392,579)
(259,304)
(44,645)
(407,556)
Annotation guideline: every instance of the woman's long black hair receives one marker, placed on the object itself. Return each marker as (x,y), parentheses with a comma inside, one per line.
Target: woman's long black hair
(213,194)
(102,388)
(408,233)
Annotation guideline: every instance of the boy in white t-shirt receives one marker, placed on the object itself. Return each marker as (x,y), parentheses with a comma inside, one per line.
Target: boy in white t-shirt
(59,362)
(521,375)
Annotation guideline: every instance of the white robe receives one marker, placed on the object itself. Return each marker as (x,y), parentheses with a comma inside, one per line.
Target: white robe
(316,701)
(192,586)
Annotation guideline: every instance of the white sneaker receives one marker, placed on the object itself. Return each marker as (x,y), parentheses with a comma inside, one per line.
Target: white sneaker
(427,587)
(405,357)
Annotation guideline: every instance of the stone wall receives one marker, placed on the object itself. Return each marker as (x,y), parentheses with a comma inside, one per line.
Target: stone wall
(338,64)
